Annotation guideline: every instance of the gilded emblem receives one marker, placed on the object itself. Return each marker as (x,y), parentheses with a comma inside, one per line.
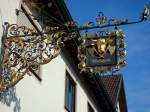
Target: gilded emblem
(102,47)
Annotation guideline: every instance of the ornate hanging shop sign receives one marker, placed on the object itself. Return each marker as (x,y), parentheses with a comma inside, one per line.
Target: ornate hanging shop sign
(25,49)
(102,53)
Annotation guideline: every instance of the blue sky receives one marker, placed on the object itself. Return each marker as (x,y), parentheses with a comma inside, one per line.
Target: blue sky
(137,72)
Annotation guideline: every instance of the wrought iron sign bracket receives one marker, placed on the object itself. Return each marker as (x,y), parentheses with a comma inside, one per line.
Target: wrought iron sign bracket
(24,49)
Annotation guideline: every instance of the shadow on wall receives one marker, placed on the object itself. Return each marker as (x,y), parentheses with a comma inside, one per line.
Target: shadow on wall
(10,97)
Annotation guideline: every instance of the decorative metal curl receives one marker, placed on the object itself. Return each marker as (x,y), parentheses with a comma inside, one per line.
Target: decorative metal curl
(25,50)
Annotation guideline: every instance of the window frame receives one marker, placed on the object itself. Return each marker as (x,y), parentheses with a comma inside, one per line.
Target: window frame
(68,77)
(26,10)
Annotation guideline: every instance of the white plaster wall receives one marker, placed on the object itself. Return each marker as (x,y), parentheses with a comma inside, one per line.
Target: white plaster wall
(7,13)
(81,96)
(7,8)
(82,101)
(47,96)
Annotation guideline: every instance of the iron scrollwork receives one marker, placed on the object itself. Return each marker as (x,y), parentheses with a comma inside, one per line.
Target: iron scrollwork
(26,49)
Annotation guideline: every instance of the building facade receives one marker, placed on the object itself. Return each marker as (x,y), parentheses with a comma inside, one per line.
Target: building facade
(63,88)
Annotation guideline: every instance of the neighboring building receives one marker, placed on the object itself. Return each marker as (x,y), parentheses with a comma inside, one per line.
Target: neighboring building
(63,88)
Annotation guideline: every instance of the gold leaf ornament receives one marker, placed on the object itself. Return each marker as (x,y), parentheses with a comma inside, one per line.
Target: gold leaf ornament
(119,34)
(2,85)
(101,21)
(111,49)
(15,78)
(6,59)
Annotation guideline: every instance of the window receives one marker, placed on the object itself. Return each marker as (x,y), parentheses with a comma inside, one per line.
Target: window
(90,108)
(69,94)
(25,18)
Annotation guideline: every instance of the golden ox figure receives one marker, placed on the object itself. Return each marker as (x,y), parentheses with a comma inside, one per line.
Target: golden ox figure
(102,46)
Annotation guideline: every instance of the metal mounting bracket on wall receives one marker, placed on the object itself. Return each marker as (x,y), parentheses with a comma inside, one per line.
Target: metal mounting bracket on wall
(24,49)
